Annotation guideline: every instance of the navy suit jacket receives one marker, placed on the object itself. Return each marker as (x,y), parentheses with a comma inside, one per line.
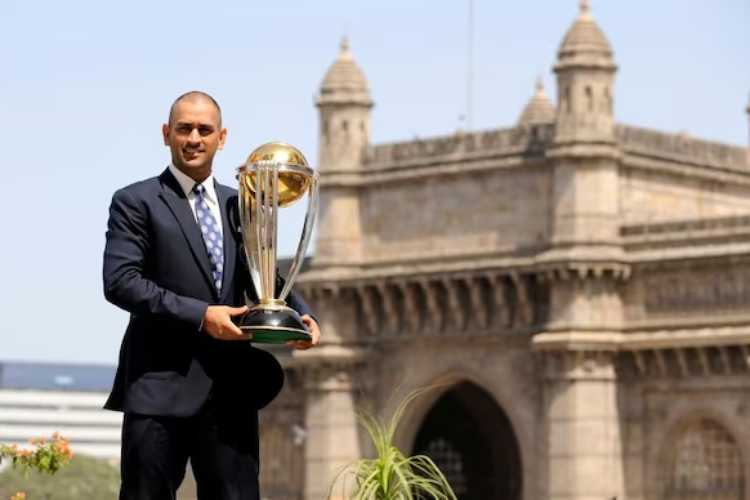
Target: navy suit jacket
(156,267)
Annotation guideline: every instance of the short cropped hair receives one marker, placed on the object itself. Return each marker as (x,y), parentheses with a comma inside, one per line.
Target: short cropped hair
(192,96)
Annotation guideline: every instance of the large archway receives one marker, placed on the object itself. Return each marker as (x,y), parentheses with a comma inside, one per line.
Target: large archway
(472,441)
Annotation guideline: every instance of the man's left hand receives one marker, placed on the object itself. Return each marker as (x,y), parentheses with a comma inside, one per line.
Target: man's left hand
(314,330)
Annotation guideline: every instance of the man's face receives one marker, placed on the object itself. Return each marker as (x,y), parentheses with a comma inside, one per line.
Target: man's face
(194,135)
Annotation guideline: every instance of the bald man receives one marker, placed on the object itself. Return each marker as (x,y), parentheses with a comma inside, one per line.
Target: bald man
(188,383)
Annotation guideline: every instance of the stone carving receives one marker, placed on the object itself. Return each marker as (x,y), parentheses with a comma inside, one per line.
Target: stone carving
(483,303)
(577,365)
(723,224)
(697,361)
(692,291)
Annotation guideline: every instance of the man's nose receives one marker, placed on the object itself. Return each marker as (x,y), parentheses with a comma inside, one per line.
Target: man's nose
(194,136)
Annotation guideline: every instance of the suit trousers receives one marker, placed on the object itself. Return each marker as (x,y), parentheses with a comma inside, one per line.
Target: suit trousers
(222,447)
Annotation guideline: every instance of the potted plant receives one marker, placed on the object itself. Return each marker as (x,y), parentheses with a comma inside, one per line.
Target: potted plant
(391,475)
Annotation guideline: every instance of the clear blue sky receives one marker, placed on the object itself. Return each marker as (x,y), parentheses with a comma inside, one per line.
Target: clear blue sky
(85,86)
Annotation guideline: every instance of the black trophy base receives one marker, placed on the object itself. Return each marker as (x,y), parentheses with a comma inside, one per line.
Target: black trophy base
(273,325)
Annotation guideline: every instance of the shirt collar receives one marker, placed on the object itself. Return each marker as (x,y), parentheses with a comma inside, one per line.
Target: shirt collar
(187,184)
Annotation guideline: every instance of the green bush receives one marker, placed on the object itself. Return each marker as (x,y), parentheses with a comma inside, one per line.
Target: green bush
(83,477)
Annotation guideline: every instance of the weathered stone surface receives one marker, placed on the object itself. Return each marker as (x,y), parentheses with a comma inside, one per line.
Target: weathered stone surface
(590,277)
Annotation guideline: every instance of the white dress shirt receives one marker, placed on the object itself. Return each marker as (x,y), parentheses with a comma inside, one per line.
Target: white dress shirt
(212,198)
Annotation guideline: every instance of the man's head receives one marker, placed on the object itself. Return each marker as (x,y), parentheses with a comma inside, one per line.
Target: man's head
(194,134)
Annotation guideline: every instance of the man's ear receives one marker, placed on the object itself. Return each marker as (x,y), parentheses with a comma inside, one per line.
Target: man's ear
(165,133)
(222,138)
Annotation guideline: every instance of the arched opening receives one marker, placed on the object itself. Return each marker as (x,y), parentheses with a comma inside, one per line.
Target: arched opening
(472,441)
(589,98)
(607,101)
(704,461)
(566,99)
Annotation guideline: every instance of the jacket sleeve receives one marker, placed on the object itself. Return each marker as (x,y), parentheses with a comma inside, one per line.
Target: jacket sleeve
(125,251)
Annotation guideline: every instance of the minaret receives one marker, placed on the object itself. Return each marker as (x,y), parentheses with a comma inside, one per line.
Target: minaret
(539,109)
(585,76)
(344,105)
(747,110)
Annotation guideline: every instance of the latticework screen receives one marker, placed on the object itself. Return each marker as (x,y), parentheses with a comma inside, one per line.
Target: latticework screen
(704,464)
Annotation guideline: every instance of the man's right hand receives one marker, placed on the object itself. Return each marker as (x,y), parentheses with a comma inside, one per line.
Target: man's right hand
(217,322)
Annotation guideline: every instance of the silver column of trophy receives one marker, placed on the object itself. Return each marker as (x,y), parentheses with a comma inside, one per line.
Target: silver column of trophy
(274,176)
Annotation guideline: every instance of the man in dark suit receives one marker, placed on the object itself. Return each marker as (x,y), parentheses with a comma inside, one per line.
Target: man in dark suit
(189,384)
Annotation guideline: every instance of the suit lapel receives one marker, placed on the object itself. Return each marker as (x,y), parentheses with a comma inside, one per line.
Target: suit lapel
(227,204)
(175,199)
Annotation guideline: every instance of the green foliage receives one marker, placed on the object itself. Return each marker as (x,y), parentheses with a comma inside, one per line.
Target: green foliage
(391,475)
(83,477)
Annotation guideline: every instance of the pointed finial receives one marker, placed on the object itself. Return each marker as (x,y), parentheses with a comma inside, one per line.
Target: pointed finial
(584,9)
(344,53)
(539,85)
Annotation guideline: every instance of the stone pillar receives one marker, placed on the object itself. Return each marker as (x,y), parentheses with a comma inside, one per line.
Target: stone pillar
(584,449)
(332,428)
(339,239)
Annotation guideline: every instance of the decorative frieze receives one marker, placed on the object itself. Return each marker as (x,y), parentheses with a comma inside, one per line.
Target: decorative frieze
(579,365)
(734,224)
(461,304)
(697,361)
(696,291)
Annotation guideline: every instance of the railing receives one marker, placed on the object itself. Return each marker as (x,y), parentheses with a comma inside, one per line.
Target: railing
(682,147)
(509,140)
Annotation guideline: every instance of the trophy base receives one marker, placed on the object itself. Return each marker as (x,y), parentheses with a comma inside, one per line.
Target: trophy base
(273,325)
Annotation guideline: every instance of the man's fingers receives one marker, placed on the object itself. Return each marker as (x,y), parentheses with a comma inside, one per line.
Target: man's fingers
(236,311)
(232,330)
(299,344)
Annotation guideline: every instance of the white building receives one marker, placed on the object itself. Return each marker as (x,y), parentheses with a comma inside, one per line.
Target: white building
(38,399)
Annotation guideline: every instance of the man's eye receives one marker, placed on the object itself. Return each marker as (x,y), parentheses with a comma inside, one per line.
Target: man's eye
(183,130)
(205,130)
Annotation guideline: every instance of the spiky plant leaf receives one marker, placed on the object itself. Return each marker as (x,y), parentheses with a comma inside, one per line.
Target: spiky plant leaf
(390,475)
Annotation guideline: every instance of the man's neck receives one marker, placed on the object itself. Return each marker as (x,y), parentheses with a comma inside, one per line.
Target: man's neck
(197,176)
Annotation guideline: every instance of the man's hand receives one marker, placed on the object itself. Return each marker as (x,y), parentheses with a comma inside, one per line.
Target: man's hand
(217,322)
(311,325)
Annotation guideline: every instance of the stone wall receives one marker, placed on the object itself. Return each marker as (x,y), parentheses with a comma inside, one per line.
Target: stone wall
(486,212)
(658,195)
(657,412)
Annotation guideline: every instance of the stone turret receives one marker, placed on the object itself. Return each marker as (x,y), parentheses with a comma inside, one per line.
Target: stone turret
(344,104)
(584,149)
(585,76)
(539,109)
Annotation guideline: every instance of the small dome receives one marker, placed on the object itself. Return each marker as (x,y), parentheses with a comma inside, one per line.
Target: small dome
(344,81)
(539,108)
(585,43)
